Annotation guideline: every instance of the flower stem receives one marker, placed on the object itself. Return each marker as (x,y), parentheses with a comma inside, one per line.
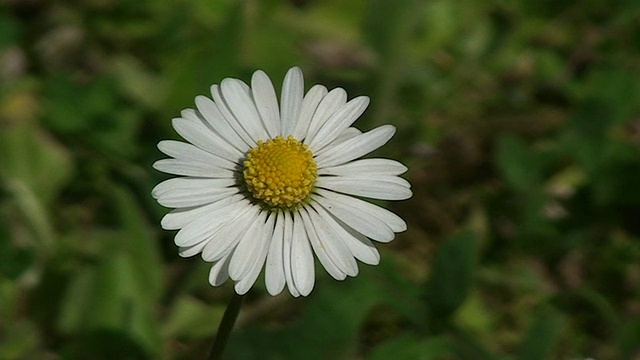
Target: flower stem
(225,327)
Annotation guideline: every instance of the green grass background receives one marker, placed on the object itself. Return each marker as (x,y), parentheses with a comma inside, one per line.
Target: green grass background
(519,121)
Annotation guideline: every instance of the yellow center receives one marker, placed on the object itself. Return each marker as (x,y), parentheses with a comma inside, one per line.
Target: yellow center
(280,172)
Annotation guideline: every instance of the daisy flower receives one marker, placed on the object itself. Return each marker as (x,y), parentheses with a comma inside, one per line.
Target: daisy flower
(263,184)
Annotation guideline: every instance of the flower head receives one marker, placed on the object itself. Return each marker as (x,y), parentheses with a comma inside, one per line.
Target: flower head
(268,185)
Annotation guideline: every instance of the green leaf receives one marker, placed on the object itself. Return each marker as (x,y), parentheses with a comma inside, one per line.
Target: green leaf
(33,169)
(9,30)
(207,60)
(517,164)
(106,296)
(192,319)
(629,338)
(452,274)
(94,110)
(441,22)
(105,344)
(121,288)
(469,348)
(410,347)
(388,27)
(474,315)
(14,260)
(387,22)
(140,244)
(603,90)
(30,156)
(20,340)
(138,82)
(543,335)
(331,320)
(74,106)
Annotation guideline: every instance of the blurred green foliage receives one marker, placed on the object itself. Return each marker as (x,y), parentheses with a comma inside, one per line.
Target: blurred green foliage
(519,120)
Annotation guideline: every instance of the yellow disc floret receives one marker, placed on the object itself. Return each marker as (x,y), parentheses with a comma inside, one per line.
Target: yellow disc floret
(280,172)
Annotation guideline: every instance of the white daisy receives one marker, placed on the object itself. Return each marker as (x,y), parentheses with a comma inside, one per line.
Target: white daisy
(264,185)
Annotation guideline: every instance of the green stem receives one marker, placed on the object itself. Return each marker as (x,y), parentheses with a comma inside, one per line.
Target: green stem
(225,327)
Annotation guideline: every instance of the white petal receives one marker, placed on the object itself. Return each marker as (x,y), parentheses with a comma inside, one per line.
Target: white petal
(194,197)
(188,152)
(392,220)
(208,224)
(219,272)
(227,237)
(216,93)
(246,251)
(302,266)
(335,99)
(331,243)
(191,168)
(379,187)
(339,121)
(358,245)
(189,251)
(355,147)
(358,220)
(197,118)
(250,277)
(291,100)
(321,253)
(309,105)
(361,247)
(365,167)
(188,184)
(274,271)
(238,98)
(179,218)
(286,253)
(215,125)
(349,133)
(266,101)
(212,115)
(201,136)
